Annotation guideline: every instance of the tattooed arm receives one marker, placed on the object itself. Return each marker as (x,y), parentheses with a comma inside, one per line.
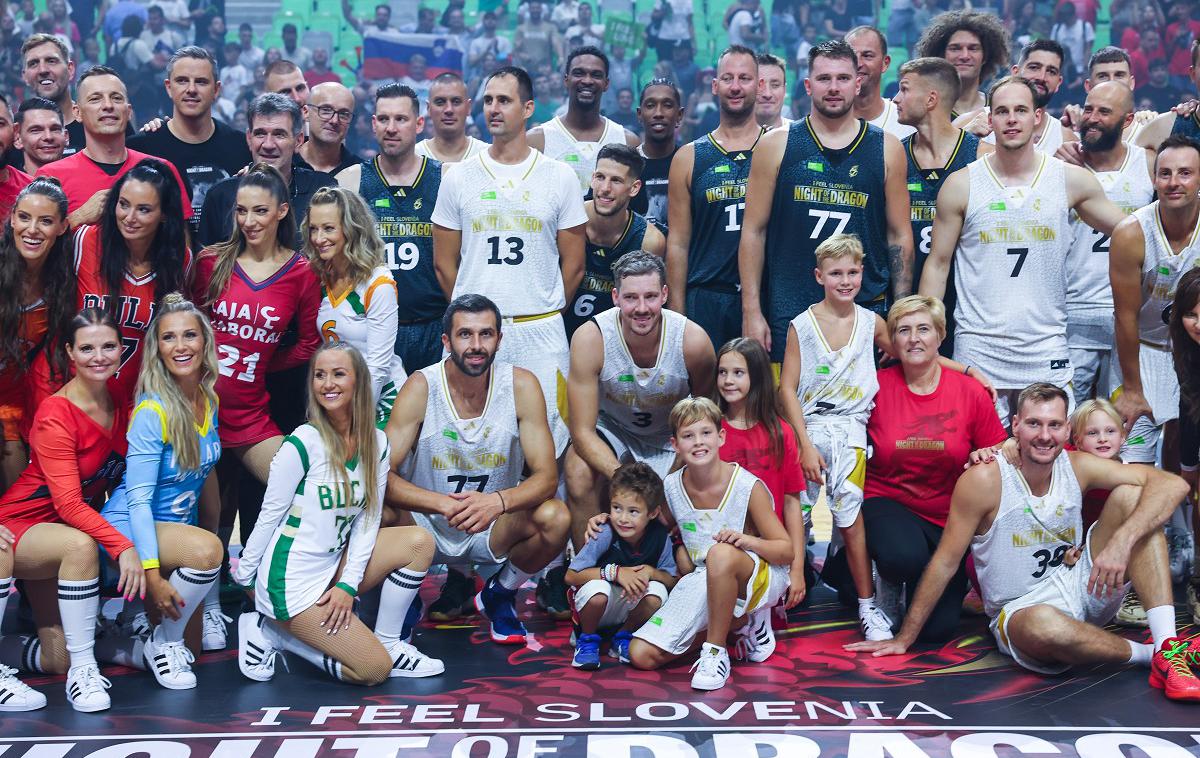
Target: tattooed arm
(899,226)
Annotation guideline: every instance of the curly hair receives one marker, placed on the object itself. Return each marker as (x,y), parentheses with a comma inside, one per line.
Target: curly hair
(986,26)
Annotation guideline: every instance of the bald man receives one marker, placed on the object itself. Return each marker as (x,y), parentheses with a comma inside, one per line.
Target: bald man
(330,110)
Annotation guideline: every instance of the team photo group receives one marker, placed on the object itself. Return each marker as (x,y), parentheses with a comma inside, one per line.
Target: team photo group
(952,334)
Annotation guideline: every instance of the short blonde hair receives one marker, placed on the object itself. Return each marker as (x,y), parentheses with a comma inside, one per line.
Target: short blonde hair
(906,306)
(840,245)
(1084,411)
(690,410)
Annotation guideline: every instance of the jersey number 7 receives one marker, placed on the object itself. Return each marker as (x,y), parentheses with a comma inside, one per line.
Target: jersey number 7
(461,481)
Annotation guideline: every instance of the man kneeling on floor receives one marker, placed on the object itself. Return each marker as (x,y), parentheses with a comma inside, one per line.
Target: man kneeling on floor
(739,551)
(1047,592)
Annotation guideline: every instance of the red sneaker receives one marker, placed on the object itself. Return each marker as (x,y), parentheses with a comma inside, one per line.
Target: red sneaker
(1171,671)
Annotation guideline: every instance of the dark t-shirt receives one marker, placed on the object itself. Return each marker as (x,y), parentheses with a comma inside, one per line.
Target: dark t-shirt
(651,202)
(202,164)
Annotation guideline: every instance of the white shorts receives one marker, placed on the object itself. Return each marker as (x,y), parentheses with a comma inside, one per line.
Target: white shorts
(1065,589)
(1006,403)
(541,346)
(458,548)
(685,614)
(619,607)
(1091,371)
(1161,387)
(845,474)
(628,448)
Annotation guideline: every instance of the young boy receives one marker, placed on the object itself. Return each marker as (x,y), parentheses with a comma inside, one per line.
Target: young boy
(827,388)
(622,576)
(737,559)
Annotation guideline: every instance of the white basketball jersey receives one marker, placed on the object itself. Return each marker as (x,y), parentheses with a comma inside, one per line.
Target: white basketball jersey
(454,454)
(561,145)
(1161,271)
(889,121)
(837,382)
(637,399)
(1089,292)
(698,526)
(1010,273)
(358,318)
(474,147)
(1017,552)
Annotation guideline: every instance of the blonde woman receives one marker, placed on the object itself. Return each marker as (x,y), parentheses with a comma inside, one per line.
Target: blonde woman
(323,504)
(173,447)
(358,294)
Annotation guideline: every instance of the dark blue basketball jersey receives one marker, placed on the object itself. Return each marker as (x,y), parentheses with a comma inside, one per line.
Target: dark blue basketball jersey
(1188,127)
(595,291)
(821,192)
(718,204)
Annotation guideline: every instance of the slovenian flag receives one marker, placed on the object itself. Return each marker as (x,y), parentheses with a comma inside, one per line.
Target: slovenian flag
(386,53)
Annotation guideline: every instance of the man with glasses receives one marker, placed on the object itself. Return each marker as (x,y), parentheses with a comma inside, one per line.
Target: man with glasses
(330,110)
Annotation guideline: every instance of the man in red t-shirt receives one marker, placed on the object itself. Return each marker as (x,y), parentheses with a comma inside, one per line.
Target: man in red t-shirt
(104,110)
(12,179)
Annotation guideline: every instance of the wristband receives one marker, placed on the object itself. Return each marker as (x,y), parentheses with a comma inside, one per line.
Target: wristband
(967,370)
(503,507)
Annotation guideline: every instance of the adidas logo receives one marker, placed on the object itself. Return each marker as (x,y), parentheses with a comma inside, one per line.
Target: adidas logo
(405,662)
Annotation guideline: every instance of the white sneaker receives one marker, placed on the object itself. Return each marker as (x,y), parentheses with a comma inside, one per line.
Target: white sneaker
(711,669)
(756,640)
(215,635)
(137,625)
(411,663)
(15,695)
(86,689)
(1131,612)
(256,654)
(170,662)
(875,624)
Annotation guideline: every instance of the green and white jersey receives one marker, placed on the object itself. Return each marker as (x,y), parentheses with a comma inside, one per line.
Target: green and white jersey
(306,524)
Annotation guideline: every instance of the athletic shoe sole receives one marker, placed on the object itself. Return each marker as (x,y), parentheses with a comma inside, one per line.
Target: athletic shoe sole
(500,639)
(1159,682)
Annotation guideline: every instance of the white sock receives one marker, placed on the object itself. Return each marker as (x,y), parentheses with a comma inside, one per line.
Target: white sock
(1140,653)
(212,598)
(22,652)
(1162,624)
(399,589)
(78,604)
(193,587)
(284,641)
(6,585)
(511,577)
(865,604)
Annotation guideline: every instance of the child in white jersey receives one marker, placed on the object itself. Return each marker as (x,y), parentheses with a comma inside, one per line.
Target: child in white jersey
(827,388)
(737,558)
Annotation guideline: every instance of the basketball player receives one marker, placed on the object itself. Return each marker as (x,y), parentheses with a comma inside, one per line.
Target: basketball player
(576,138)
(401,188)
(1151,250)
(1108,64)
(827,174)
(772,92)
(461,432)
(629,366)
(1172,123)
(928,89)
(975,42)
(449,105)
(708,197)
(1125,172)
(873,60)
(1003,220)
(509,225)
(1047,587)
(612,230)
(660,113)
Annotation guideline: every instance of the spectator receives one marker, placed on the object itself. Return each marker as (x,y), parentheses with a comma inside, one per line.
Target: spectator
(291,50)
(620,74)
(808,38)
(671,25)
(1179,37)
(1150,49)
(26,17)
(160,38)
(839,19)
(217,33)
(252,55)
(61,23)
(319,72)
(685,72)
(417,77)
(903,29)
(11,62)
(140,68)
(235,77)
(88,55)
(702,113)
(488,41)
(1076,35)
(112,16)
(1158,88)
(456,26)
(177,16)
(1149,17)
(381,23)
(426,23)
(748,25)
(40,135)
(537,40)
(624,114)
(330,111)
(565,14)
(583,32)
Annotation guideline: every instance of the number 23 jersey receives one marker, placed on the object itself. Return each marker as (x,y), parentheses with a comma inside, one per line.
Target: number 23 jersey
(510,216)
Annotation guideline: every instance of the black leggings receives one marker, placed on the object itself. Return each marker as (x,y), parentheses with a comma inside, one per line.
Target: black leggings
(901,543)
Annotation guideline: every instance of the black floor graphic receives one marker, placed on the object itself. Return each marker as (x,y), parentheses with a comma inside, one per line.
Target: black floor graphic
(811,698)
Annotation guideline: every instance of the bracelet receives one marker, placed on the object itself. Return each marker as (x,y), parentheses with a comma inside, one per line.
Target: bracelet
(503,507)
(967,370)
(610,572)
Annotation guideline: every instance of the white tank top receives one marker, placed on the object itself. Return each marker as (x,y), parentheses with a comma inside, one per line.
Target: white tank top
(474,147)
(561,145)
(636,399)
(1010,273)
(1016,552)
(837,382)
(698,526)
(1161,271)
(889,121)
(1089,290)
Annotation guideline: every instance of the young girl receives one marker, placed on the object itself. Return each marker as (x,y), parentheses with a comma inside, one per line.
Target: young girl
(358,294)
(173,446)
(1185,346)
(77,446)
(323,504)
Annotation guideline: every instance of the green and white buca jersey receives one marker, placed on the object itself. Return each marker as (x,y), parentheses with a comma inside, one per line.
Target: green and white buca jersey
(307,522)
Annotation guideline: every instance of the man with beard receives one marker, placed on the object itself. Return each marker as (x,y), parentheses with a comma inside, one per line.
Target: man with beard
(1047,588)
(660,112)
(629,366)
(612,230)
(707,199)
(1004,223)
(976,43)
(576,137)
(1126,173)
(873,60)
(448,108)
(40,137)
(12,179)
(772,91)
(490,415)
(829,173)
(330,110)
(935,150)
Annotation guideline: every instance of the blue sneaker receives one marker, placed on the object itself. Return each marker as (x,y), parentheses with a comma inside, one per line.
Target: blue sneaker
(620,646)
(499,605)
(587,652)
(411,619)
